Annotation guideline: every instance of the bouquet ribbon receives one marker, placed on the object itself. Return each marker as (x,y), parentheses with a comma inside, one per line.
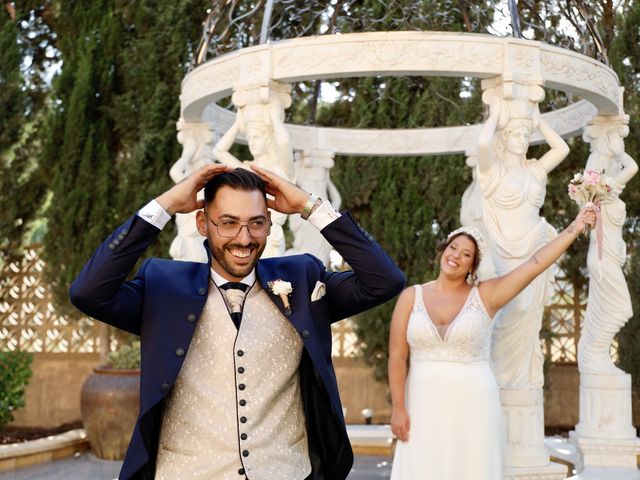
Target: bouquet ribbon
(599,235)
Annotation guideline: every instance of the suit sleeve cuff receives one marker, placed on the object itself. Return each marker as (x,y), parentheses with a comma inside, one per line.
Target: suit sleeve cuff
(153,213)
(323,215)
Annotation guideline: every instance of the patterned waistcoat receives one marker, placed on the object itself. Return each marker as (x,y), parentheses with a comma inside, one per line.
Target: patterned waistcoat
(236,408)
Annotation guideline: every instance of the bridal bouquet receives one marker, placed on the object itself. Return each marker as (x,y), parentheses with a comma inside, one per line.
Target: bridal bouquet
(591,186)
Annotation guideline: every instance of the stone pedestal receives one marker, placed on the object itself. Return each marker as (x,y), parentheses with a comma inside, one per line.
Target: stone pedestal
(550,471)
(607,473)
(525,455)
(605,437)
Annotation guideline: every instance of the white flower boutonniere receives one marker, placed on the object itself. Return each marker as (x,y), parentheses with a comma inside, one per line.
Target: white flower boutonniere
(282,289)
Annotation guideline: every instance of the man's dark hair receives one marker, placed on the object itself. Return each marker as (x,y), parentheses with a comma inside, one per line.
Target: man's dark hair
(238,179)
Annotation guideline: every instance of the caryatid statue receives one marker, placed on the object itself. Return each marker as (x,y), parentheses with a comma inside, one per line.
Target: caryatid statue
(197,139)
(609,302)
(313,174)
(513,189)
(471,213)
(260,118)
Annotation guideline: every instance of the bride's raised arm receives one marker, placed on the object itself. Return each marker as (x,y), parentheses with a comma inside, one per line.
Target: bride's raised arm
(499,291)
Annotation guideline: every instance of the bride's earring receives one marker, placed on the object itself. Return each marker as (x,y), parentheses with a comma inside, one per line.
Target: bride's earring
(469,278)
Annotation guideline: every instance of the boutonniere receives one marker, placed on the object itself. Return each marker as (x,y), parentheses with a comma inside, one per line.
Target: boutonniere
(282,289)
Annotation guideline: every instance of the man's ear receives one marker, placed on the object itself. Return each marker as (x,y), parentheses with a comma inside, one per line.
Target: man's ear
(201,222)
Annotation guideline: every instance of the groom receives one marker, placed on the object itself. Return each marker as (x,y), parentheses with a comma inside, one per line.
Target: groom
(236,377)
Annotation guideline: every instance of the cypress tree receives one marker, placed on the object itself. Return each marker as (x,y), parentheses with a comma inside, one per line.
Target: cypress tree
(12,97)
(23,34)
(111,135)
(81,144)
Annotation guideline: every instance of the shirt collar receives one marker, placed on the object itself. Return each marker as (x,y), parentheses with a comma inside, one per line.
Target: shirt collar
(220,280)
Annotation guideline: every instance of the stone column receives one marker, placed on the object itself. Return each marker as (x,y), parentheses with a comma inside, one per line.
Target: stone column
(511,187)
(605,436)
(313,174)
(197,139)
(261,110)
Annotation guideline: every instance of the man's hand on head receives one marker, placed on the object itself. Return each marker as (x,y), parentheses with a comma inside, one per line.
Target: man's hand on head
(287,197)
(182,197)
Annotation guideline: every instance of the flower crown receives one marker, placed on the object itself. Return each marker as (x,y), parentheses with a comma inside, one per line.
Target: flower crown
(476,234)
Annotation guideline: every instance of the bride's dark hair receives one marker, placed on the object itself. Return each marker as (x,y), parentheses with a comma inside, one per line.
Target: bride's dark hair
(442,246)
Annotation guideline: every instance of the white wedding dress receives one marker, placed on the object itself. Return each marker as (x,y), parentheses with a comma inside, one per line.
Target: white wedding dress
(451,398)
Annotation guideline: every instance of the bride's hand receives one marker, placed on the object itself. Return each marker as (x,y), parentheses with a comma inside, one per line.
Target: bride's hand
(586,218)
(400,424)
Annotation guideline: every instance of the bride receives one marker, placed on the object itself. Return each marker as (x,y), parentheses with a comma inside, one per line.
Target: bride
(445,407)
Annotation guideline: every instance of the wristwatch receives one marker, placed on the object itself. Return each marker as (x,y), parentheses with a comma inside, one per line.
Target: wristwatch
(310,205)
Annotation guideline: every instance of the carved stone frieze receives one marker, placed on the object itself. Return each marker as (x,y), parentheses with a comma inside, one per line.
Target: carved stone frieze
(568,122)
(587,75)
(401,53)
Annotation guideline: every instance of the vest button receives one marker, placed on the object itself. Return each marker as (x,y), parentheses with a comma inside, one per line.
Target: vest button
(180,351)
(165,387)
(191,317)
(242,386)
(245,453)
(202,291)
(306,333)
(240,369)
(243,403)
(243,419)
(241,471)
(243,436)
(240,353)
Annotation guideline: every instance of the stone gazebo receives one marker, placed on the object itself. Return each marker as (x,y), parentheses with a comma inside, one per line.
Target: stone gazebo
(513,72)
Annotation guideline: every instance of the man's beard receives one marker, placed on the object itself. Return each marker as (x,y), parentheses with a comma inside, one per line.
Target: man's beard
(237,271)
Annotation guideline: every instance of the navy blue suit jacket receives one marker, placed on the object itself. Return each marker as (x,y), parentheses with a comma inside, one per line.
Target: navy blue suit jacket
(163,303)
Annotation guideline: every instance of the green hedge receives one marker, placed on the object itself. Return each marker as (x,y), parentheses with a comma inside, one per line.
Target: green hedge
(15,372)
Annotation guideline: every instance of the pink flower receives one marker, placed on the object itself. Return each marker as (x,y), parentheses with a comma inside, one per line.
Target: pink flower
(591,177)
(572,189)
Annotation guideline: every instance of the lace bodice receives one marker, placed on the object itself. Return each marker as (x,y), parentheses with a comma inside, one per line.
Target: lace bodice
(467,339)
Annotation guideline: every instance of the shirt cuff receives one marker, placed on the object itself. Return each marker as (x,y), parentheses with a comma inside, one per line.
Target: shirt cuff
(153,213)
(323,215)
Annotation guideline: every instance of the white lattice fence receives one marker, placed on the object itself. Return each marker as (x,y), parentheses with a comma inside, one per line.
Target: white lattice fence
(563,320)
(345,340)
(28,318)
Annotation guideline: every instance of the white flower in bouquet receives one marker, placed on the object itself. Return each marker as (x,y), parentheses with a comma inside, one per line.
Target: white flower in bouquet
(590,186)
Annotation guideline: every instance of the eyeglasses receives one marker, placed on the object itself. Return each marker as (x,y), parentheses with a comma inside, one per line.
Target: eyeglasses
(260,227)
